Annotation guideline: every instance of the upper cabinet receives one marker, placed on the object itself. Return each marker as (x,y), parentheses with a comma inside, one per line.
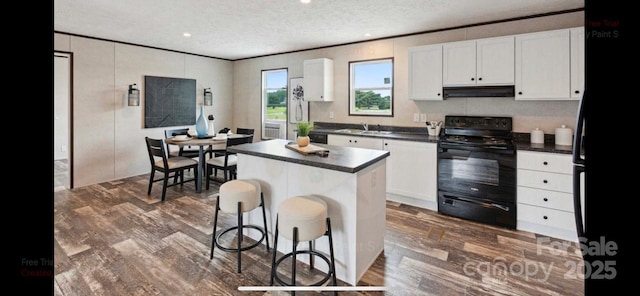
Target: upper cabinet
(543,66)
(547,65)
(577,62)
(488,61)
(318,80)
(425,72)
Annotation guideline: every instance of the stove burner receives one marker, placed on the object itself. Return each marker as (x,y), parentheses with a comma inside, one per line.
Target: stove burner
(476,140)
(488,132)
(457,138)
(494,141)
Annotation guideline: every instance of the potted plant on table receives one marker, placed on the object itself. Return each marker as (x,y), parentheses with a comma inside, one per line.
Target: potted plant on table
(303,129)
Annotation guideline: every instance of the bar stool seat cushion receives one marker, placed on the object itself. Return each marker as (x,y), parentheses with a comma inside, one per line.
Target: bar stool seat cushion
(245,191)
(308,213)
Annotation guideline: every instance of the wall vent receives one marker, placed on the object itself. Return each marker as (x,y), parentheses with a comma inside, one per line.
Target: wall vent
(273,130)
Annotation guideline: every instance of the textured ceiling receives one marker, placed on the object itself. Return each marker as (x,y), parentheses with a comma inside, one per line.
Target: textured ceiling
(236,29)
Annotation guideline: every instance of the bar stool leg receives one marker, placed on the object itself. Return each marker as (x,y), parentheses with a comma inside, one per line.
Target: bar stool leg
(333,262)
(240,234)
(294,260)
(311,255)
(264,219)
(215,224)
(275,251)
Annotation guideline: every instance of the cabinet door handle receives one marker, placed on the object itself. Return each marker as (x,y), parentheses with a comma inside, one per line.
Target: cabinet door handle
(545,199)
(544,181)
(479,78)
(577,91)
(519,92)
(545,217)
(472,79)
(545,163)
(438,94)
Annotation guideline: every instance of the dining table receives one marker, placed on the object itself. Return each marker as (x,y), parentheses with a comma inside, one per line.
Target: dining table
(217,143)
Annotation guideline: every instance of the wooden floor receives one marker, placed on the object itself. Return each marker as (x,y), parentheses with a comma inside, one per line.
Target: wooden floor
(113,239)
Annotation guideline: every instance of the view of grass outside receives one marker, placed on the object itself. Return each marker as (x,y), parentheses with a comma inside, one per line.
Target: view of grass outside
(277,113)
(277,105)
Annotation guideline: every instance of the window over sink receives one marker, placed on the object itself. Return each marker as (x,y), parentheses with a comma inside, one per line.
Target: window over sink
(371,87)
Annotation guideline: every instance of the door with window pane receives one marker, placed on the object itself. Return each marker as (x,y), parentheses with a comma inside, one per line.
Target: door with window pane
(274,104)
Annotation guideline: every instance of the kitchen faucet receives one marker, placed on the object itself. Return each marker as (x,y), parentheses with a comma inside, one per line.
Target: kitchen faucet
(365,126)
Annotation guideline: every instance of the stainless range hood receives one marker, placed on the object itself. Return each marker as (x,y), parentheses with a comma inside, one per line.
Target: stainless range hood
(479,91)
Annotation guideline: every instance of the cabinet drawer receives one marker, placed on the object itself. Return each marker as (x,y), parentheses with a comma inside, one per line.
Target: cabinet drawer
(546,181)
(546,198)
(547,217)
(547,162)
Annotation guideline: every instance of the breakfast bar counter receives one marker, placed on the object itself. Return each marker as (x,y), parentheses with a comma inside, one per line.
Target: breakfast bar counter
(352,181)
(344,159)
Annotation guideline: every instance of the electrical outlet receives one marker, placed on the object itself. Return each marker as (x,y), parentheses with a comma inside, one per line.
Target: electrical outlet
(423,117)
(330,114)
(416,117)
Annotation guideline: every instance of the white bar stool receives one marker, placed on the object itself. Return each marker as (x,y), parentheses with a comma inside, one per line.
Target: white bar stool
(238,197)
(303,218)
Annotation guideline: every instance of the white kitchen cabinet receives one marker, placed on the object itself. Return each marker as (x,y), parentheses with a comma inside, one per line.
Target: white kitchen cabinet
(318,80)
(488,61)
(545,194)
(543,65)
(355,141)
(412,173)
(425,72)
(577,62)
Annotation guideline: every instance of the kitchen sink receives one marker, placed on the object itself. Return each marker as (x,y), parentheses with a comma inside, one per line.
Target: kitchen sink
(375,132)
(361,132)
(349,131)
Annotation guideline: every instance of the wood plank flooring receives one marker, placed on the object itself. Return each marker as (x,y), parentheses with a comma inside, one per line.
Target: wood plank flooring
(113,239)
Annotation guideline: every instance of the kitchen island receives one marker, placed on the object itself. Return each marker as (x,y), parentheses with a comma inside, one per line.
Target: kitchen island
(351,180)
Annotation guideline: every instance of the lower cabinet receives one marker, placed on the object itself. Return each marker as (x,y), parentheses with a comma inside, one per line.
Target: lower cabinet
(412,173)
(411,168)
(355,141)
(545,194)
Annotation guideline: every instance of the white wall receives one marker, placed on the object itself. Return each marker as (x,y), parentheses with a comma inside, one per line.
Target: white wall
(108,135)
(546,115)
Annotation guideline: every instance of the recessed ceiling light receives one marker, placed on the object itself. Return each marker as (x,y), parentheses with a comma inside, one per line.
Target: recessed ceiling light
(186,34)
(367,34)
(305,1)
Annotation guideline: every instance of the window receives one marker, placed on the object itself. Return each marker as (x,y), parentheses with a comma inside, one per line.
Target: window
(371,87)
(274,104)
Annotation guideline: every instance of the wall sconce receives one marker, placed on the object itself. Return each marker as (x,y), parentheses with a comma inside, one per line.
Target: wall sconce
(134,95)
(208,97)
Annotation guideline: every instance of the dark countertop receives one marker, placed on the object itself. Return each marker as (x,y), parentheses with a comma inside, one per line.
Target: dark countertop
(406,136)
(521,140)
(344,159)
(546,147)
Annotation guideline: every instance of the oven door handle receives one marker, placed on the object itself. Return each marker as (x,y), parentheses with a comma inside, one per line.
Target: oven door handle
(488,205)
(495,149)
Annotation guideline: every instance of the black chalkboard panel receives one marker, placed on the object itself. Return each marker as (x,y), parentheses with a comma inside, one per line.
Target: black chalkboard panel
(169,101)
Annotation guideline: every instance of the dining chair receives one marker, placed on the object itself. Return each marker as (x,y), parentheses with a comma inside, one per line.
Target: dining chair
(168,166)
(227,162)
(246,131)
